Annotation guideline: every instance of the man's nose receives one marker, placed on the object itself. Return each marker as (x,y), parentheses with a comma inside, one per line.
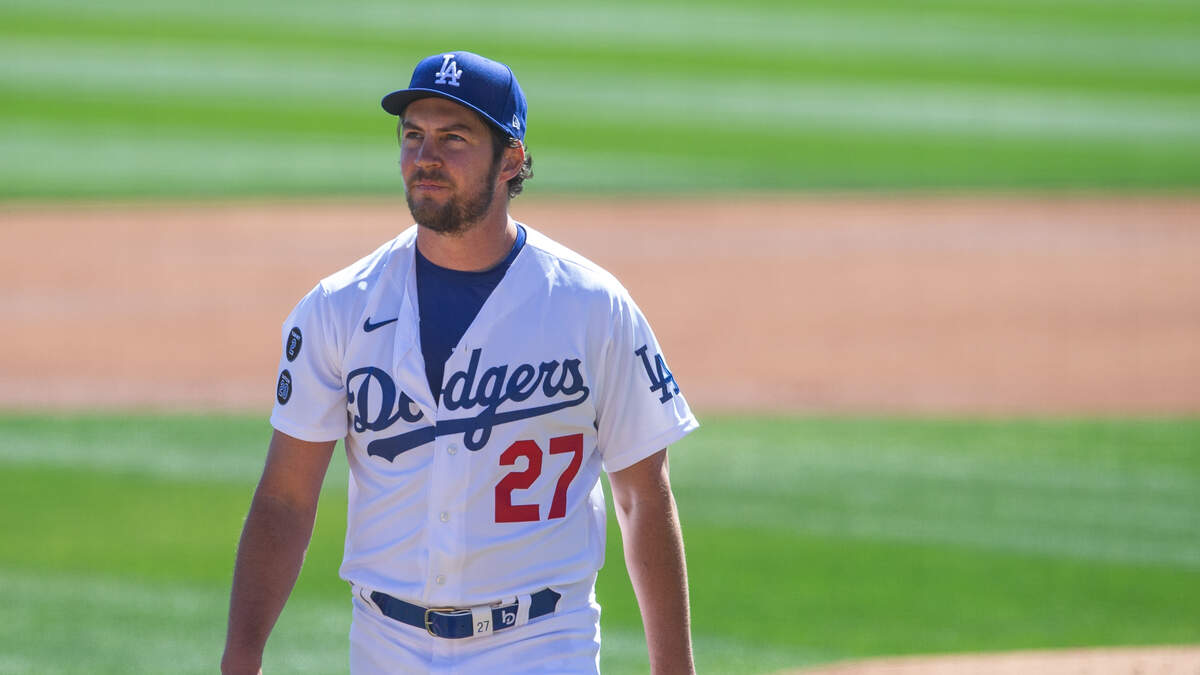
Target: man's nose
(427,154)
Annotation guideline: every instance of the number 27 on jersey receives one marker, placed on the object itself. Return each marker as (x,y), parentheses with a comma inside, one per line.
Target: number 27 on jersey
(506,510)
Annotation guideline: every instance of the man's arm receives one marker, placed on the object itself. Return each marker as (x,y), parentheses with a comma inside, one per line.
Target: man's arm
(274,539)
(654,556)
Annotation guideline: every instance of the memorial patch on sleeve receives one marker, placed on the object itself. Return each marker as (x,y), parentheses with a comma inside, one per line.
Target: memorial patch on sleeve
(283,389)
(295,339)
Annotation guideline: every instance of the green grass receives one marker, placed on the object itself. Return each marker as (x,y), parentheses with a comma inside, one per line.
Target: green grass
(125,99)
(809,540)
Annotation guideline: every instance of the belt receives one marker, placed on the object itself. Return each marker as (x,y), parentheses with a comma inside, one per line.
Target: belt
(452,623)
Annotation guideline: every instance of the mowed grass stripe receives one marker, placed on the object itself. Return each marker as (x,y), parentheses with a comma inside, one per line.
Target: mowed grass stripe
(130,159)
(107,160)
(234,108)
(1021,487)
(1152,38)
(878,597)
(133,161)
(188,448)
(1151,13)
(1159,65)
(815,157)
(194,449)
(94,624)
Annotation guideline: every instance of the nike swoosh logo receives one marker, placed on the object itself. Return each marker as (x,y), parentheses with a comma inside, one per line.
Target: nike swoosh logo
(368,326)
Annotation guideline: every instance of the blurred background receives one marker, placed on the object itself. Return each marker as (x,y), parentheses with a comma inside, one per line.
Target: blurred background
(227,98)
(930,273)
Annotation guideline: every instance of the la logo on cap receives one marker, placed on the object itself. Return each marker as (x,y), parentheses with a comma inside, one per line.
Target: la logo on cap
(449,73)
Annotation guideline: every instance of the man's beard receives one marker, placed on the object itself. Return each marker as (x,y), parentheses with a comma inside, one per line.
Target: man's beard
(455,216)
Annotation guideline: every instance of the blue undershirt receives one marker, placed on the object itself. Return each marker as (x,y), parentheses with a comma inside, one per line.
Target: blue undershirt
(448,301)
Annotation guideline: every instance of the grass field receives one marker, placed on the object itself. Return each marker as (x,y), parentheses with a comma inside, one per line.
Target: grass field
(809,540)
(125,98)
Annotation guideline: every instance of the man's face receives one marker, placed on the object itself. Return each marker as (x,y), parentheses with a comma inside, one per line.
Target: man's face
(447,162)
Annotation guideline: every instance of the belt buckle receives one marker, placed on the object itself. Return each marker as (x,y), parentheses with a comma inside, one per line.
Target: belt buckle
(439,610)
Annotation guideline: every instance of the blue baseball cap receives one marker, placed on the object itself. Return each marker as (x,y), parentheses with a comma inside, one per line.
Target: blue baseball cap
(488,87)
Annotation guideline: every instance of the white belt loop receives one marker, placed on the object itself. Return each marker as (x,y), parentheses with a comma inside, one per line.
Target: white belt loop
(364,594)
(523,603)
(481,620)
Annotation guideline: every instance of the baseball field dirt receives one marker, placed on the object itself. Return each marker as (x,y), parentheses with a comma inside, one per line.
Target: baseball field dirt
(930,305)
(1114,661)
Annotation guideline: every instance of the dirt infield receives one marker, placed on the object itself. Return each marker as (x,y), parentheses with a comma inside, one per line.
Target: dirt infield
(997,305)
(1143,661)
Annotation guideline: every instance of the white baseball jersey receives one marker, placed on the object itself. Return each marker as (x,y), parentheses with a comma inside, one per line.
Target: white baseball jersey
(492,492)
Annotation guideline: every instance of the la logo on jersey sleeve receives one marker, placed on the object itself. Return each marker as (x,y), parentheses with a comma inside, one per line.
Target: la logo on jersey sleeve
(662,382)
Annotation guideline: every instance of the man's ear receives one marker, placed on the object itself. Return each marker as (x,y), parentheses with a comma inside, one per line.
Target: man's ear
(512,162)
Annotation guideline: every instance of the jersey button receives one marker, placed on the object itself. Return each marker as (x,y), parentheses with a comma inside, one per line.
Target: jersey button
(445,517)
(439,580)
(452,448)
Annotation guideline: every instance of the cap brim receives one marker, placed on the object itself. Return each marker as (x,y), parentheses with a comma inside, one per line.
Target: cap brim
(397,101)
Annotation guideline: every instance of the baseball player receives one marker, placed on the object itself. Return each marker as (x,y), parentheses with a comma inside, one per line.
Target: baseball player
(481,376)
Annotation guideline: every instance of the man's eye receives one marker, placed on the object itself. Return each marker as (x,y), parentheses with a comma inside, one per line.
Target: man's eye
(454,137)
